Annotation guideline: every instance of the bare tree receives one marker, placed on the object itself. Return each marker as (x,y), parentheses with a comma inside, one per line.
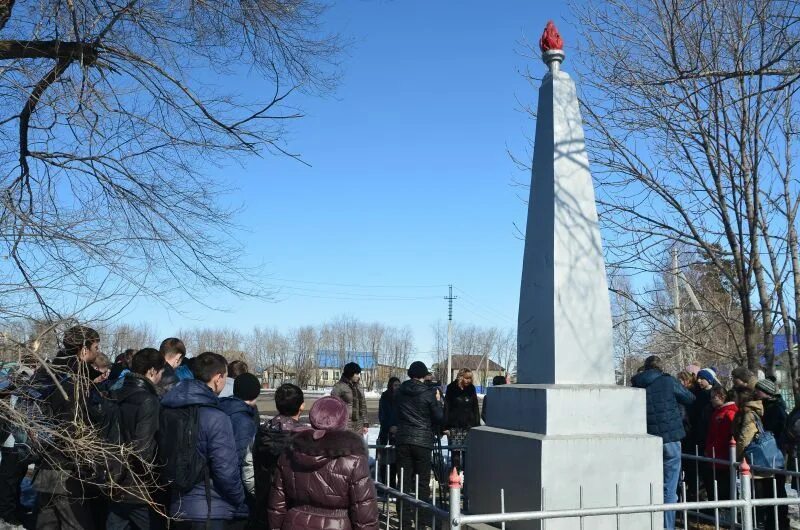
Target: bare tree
(681,99)
(107,133)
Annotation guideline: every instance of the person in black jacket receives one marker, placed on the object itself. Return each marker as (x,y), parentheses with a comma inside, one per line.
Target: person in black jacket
(63,497)
(139,410)
(665,395)
(461,411)
(419,408)
(387,416)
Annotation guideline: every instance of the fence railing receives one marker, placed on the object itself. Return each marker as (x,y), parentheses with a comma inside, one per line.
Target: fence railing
(741,510)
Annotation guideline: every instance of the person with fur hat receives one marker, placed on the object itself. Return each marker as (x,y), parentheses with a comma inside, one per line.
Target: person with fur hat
(349,390)
(742,377)
(323,480)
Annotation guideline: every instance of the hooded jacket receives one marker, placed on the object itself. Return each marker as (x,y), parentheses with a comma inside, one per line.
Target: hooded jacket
(418,411)
(461,406)
(243,422)
(775,416)
(139,410)
(665,395)
(216,442)
(324,484)
(720,432)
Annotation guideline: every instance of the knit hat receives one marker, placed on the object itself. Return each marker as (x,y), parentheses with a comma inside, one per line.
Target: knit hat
(417,370)
(328,413)
(767,386)
(709,375)
(246,387)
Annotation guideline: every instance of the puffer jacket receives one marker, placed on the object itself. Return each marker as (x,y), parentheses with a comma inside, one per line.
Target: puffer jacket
(217,444)
(352,394)
(139,410)
(720,432)
(418,411)
(461,406)
(665,395)
(324,484)
(244,431)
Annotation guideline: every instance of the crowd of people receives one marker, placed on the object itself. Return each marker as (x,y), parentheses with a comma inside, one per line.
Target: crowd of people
(179,442)
(696,413)
(189,449)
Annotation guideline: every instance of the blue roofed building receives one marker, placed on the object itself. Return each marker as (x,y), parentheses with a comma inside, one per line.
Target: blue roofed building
(329,364)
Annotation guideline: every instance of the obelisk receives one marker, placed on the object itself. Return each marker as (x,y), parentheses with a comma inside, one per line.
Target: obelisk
(565,435)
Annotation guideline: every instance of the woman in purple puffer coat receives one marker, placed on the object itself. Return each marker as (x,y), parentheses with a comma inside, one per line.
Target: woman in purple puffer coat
(323,481)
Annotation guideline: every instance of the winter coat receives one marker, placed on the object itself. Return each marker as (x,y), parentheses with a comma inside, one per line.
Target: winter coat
(720,432)
(139,411)
(183,373)
(418,411)
(217,444)
(324,484)
(665,395)
(272,440)
(244,431)
(57,472)
(775,416)
(461,408)
(352,394)
(168,380)
(699,416)
(387,415)
(791,434)
(745,428)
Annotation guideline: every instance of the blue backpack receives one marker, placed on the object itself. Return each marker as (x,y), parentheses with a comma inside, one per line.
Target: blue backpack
(763,451)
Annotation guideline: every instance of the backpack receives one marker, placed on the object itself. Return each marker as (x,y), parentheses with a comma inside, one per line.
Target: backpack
(182,464)
(271,442)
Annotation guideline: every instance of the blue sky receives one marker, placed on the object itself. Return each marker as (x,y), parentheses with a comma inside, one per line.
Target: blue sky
(410,186)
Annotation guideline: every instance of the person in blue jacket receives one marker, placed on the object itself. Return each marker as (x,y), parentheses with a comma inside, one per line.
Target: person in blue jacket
(665,398)
(216,442)
(241,409)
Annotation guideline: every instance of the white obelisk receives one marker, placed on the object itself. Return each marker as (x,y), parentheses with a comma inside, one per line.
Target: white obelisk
(565,434)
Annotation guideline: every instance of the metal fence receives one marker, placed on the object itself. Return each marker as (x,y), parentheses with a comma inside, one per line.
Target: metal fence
(405,509)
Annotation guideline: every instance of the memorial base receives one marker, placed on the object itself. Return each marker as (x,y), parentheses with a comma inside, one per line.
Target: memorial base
(564,472)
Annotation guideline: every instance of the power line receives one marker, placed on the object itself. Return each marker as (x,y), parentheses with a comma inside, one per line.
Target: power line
(360,286)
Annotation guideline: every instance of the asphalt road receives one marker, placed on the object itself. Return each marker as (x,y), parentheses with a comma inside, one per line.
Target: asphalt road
(266,405)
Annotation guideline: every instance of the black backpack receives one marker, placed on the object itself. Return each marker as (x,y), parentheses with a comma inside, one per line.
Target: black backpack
(183,466)
(271,442)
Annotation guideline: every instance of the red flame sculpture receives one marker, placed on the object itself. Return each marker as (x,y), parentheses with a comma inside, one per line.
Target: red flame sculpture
(551,40)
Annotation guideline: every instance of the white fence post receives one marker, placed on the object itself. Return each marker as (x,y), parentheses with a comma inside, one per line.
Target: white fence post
(455,499)
(747,510)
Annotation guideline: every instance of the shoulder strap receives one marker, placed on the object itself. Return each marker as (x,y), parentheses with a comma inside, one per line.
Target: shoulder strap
(759,425)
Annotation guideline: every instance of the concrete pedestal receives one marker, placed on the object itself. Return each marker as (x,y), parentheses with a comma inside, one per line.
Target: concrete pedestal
(564,472)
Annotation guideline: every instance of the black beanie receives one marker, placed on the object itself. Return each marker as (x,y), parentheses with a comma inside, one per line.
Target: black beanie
(417,370)
(246,387)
